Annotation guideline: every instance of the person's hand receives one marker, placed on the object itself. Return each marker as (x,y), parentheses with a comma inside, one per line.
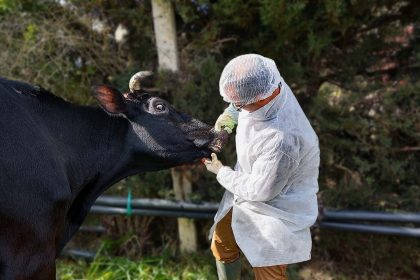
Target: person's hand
(214,164)
(225,122)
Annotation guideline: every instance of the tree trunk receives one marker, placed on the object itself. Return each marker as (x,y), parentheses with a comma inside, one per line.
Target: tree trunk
(165,34)
(181,179)
(166,44)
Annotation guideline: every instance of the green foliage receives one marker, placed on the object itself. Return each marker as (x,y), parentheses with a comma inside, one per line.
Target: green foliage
(63,59)
(30,32)
(71,57)
(366,143)
(311,41)
(163,267)
(7,6)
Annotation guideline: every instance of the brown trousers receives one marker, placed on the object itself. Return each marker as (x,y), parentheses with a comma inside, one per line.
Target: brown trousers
(225,249)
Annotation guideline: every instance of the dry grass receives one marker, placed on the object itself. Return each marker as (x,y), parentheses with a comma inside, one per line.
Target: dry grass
(57,49)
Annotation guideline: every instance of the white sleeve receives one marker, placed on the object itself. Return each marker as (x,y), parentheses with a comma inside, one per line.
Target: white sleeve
(270,174)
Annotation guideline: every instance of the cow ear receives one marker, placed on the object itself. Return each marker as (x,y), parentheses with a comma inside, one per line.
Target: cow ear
(110,99)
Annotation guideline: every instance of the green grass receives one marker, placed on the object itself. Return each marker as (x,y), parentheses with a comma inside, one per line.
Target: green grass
(166,265)
(335,256)
(191,267)
(198,266)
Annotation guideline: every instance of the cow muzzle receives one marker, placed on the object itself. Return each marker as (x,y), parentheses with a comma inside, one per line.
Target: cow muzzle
(219,141)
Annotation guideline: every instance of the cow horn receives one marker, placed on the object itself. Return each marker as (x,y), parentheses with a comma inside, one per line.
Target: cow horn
(138,79)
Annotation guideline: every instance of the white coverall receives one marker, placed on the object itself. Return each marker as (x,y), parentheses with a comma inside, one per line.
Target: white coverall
(273,186)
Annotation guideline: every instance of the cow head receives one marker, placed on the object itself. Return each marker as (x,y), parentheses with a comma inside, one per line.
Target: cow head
(157,130)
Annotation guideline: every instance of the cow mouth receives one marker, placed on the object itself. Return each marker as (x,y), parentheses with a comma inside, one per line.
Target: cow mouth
(216,148)
(218,142)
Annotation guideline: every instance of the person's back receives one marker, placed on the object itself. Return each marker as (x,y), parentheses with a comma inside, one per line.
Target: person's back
(303,182)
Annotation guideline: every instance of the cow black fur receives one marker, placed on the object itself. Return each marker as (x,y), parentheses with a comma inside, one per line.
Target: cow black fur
(56,158)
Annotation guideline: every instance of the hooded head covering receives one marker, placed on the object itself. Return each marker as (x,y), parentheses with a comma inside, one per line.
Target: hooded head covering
(248,78)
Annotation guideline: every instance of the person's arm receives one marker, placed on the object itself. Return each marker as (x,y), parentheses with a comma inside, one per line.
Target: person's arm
(270,173)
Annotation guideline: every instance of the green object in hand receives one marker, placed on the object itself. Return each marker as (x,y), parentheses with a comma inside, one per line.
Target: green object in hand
(225,122)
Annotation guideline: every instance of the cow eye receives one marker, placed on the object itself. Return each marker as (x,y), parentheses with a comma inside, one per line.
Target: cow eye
(160,107)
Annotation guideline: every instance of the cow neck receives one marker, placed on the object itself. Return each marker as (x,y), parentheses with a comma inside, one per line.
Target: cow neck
(99,160)
(94,161)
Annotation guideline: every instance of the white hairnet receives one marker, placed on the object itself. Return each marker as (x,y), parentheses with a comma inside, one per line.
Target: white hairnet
(249,78)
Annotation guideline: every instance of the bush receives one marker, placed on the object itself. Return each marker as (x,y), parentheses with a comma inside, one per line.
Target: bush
(369,143)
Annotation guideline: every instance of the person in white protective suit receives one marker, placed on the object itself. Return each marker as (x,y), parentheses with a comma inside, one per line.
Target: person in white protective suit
(270,200)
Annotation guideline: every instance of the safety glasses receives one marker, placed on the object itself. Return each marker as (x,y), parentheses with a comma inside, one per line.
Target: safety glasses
(237,107)
(240,106)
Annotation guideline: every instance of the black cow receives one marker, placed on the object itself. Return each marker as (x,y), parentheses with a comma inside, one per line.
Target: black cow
(56,158)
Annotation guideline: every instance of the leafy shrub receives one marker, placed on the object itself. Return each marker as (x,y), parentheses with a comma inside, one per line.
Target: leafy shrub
(369,143)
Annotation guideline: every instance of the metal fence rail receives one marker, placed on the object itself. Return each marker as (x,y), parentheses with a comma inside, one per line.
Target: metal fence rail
(110,210)
(355,221)
(378,229)
(334,219)
(345,215)
(160,204)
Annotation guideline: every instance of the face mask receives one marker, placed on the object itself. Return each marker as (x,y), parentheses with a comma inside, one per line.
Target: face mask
(270,110)
(267,112)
